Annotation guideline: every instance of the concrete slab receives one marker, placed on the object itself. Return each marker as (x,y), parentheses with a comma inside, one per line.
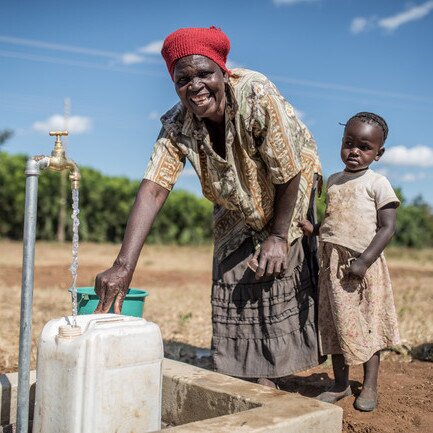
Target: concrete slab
(198,400)
(8,397)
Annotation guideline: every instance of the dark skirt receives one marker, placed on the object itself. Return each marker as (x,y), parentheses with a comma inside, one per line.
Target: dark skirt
(266,327)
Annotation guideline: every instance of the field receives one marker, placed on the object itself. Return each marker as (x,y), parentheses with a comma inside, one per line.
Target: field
(178,279)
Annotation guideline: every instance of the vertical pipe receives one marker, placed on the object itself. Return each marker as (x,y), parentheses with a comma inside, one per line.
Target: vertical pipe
(32,173)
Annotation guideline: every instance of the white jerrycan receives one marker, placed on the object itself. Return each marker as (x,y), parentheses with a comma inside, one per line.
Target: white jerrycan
(103,376)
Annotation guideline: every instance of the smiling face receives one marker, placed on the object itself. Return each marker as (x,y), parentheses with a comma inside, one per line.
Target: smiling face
(361,145)
(200,85)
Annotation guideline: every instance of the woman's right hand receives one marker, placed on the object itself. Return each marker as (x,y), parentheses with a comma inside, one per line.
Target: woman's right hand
(112,286)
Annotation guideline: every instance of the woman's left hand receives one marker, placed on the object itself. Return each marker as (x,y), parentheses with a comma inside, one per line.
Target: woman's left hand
(272,257)
(358,268)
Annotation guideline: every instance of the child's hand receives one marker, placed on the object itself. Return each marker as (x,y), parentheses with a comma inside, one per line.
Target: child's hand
(358,268)
(306,227)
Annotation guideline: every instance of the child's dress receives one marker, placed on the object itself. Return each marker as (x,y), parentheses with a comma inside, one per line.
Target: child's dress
(356,317)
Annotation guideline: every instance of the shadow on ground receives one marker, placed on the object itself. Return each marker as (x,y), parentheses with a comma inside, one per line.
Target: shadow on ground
(183,352)
(423,352)
(308,386)
(312,385)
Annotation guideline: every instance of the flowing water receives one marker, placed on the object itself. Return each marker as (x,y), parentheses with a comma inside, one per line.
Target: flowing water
(74,264)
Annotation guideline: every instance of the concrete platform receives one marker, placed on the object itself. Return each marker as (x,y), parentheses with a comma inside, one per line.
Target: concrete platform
(198,400)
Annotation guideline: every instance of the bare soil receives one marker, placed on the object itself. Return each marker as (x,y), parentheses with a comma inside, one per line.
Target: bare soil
(178,279)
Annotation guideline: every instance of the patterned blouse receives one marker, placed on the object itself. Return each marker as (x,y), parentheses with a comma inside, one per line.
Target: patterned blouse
(265,145)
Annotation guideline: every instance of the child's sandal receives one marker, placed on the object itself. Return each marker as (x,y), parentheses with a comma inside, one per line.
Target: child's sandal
(367,400)
(333,396)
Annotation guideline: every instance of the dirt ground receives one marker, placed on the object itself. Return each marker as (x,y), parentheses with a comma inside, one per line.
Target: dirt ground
(178,279)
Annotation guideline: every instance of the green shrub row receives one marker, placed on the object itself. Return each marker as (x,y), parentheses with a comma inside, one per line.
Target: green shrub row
(414,222)
(105,203)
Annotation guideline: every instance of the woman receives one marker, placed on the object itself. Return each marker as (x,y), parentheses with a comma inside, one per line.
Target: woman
(256,162)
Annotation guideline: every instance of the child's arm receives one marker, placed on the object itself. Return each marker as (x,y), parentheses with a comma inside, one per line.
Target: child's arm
(309,229)
(386,219)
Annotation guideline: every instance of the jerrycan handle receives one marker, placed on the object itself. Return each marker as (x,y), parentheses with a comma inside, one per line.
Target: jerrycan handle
(98,321)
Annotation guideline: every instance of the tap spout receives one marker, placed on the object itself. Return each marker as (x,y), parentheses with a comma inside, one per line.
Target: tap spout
(74,173)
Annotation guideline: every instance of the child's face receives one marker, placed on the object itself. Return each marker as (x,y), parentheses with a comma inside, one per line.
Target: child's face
(361,145)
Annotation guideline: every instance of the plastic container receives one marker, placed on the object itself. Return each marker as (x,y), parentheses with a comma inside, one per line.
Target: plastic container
(133,305)
(100,377)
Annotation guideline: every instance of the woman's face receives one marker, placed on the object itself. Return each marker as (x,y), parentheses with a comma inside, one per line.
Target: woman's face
(199,82)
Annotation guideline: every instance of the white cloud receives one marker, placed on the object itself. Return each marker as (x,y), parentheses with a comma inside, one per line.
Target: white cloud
(76,124)
(153,115)
(358,25)
(412,14)
(291,2)
(232,65)
(56,47)
(349,89)
(396,176)
(127,58)
(151,48)
(303,117)
(299,114)
(413,177)
(383,171)
(361,24)
(418,156)
(408,177)
(131,59)
(111,66)
(143,54)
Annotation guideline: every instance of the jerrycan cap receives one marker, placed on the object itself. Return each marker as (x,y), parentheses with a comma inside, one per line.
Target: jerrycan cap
(69,331)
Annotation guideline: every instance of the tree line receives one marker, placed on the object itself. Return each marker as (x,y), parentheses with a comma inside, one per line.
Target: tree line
(105,203)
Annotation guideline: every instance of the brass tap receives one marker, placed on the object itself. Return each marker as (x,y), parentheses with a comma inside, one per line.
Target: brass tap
(59,162)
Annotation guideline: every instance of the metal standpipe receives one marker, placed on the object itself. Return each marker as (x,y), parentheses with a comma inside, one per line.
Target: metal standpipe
(32,172)
(56,162)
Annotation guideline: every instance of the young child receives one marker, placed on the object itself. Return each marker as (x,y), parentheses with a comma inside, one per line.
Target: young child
(356,309)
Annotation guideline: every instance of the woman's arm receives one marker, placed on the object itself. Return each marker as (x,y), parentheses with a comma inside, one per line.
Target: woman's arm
(282,141)
(112,284)
(386,219)
(272,258)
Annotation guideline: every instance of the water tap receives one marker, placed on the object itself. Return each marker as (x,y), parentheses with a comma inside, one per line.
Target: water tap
(59,162)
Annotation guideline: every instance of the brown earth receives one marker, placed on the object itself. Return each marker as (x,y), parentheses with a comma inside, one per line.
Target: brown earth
(178,279)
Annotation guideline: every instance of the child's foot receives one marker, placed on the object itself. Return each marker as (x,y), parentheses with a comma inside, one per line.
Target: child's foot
(367,400)
(334,394)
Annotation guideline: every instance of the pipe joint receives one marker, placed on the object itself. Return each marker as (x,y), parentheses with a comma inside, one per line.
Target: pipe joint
(35,164)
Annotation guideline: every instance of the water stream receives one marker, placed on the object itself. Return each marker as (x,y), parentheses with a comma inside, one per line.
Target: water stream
(74,264)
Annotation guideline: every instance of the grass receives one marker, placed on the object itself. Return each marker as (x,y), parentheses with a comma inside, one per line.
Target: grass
(179,282)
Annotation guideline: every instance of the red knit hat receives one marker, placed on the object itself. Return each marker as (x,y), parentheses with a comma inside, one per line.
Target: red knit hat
(210,42)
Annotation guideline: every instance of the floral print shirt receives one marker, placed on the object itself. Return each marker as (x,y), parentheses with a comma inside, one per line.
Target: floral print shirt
(266,145)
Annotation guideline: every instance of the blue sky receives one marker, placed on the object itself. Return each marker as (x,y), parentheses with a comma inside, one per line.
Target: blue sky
(329,58)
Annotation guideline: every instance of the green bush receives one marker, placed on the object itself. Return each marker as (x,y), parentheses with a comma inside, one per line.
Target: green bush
(184,219)
(414,226)
(105,203)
